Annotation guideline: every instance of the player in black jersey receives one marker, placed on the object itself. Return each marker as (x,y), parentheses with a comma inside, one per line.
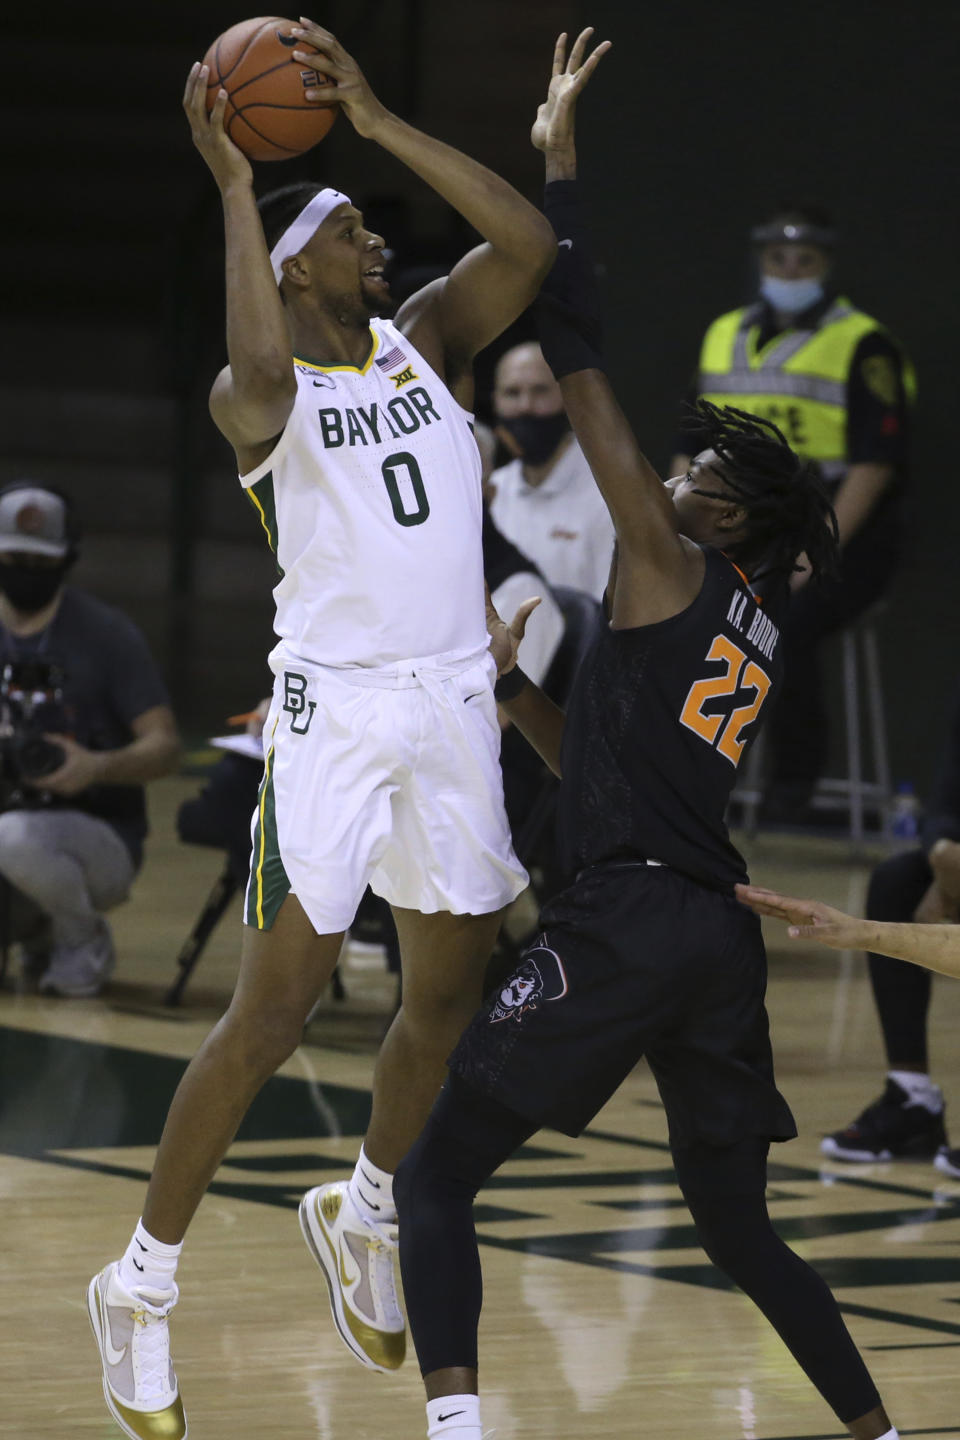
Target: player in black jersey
(647,952)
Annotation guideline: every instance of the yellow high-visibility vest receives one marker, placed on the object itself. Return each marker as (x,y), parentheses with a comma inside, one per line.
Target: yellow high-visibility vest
(798,379)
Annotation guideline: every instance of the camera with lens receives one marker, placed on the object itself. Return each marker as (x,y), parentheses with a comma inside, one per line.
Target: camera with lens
(31,704)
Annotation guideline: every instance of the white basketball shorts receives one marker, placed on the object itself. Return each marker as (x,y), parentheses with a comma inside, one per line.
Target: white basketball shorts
(386,776)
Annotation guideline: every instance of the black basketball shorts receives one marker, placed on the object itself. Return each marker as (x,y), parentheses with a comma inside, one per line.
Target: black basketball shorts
(635,961)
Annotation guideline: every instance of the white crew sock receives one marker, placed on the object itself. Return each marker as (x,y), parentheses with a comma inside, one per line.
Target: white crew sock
(893,1434)
(454,1417)
(371,1190)
(148,1263)
(920,1089)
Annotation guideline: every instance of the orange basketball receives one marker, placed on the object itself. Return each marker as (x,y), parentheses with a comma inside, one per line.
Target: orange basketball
(267,115)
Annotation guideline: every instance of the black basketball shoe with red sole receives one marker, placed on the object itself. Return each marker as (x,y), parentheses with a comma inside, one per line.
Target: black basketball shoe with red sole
(892,1128)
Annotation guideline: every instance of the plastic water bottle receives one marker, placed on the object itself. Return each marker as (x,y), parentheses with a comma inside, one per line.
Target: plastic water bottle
(905,817)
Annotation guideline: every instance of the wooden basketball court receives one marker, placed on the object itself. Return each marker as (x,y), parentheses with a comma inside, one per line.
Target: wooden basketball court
(602,1316)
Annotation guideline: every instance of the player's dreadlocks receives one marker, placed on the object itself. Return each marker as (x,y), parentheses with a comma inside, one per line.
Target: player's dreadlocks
(788,508)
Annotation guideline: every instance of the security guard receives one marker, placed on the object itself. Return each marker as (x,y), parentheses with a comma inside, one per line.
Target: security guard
(839,387)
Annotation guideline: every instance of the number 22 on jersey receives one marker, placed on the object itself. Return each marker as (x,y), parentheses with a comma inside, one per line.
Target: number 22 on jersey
(722,729)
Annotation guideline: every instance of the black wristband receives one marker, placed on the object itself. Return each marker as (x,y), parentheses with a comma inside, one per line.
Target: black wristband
(508,686)
(568,309)
(561,205)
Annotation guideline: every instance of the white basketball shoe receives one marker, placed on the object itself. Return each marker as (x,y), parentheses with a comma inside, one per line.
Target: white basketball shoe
(133,1337)
(356,1257)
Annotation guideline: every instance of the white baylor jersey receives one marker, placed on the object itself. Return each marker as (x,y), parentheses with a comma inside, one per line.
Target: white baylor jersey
(371,502)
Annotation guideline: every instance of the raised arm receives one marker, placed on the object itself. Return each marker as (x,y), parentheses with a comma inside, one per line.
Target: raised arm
(491,285)
(660,570)
(252,398)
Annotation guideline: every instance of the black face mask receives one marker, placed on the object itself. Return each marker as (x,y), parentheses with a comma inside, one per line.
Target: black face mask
(30,587)
(537,435)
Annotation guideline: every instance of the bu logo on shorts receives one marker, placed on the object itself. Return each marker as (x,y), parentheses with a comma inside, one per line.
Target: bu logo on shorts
(534,980)
(295,701)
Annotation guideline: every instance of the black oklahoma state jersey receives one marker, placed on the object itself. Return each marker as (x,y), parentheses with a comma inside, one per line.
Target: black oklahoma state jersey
(659,720)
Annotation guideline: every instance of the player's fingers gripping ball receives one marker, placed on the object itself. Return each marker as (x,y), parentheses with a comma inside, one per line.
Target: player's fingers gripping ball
(267,115)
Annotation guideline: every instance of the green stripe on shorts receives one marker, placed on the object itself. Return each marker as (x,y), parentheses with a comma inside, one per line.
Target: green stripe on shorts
(269,885)
(261,496)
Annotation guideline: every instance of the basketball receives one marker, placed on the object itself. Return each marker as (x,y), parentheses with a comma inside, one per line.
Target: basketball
(267,114)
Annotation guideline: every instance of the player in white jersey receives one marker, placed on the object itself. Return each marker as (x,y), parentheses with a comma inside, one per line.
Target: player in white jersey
(352,436)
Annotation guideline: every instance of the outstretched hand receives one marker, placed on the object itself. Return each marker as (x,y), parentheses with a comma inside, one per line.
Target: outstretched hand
(807,919)
(553,128)
(227,162)
(340,81)
(505,639)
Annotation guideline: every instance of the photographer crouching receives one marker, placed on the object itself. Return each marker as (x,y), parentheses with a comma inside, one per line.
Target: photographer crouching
(84,721)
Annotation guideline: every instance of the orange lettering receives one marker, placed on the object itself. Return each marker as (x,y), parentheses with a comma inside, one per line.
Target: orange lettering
(724,729)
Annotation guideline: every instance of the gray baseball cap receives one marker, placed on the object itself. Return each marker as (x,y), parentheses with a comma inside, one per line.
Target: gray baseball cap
(33,521)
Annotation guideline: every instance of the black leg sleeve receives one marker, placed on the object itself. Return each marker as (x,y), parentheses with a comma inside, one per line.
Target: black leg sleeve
(725,1192)
(466,1138)
(901,990)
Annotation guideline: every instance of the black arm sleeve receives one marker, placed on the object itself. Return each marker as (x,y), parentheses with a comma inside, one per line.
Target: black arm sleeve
(878,413)
(568,309)
(942,821)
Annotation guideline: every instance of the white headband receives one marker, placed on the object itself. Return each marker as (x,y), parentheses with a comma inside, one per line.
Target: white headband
(299,231)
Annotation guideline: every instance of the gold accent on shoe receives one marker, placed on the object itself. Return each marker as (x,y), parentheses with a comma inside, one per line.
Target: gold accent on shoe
(329,1206)
(385,1349)
(388,1350)
(168,1424)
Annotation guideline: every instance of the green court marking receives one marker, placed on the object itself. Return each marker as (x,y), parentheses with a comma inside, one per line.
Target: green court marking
(917,1322)
(635,1140)
(598,1248)
(919,1345)
(639,1207)
(600,1251)
(65,1095)
(629,1205)
(315,1161)
(283,1197)
(580,1179)
(845,1434)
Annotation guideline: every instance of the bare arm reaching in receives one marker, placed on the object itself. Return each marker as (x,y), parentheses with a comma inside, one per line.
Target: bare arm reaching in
(936,947)
(535,715)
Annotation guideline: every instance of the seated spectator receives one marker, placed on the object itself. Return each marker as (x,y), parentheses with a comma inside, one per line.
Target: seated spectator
(839,386)
(86,722)
(545,500)
(921,885)
(220,815)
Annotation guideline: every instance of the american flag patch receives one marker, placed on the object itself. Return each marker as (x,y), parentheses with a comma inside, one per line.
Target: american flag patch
(393,357)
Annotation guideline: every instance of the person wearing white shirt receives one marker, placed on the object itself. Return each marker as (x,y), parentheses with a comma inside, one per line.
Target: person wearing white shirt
(545,501)
(513,578)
